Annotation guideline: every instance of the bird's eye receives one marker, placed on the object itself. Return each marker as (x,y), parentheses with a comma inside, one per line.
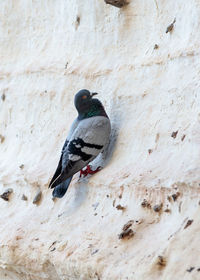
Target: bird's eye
(84,96)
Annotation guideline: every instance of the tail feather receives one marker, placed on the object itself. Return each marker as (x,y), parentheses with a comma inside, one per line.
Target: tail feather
(57,181)
(58,171)
(70,169)
(60,190)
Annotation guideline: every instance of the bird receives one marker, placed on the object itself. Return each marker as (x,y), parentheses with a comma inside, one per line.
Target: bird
(88,137)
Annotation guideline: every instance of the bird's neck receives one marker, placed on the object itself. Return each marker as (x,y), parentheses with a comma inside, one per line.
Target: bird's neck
(93,112)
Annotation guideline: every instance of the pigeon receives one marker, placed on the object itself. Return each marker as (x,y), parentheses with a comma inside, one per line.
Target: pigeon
(88,137)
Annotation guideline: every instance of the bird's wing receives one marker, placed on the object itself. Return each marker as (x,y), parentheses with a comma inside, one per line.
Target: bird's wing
(84,145)
(59,167)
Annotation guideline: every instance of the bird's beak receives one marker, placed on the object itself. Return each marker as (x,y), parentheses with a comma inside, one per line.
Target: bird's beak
(93,93)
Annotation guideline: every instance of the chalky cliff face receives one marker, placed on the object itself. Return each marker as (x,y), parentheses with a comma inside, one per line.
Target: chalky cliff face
(139,217)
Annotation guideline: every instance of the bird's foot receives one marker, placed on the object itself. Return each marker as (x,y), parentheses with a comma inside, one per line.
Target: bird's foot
(88,170)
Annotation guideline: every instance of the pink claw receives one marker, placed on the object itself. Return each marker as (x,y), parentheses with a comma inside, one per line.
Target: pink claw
(88,170)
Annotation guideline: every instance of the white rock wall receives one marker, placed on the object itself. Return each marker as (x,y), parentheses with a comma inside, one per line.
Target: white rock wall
(48,51)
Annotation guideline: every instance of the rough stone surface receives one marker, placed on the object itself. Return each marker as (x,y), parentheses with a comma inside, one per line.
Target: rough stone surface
(48,51)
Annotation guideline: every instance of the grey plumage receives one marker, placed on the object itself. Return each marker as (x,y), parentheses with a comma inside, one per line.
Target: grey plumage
(88,135)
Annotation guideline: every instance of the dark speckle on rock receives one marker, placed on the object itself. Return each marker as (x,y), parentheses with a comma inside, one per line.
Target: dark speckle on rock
(77,23)
(150,151)
(158,207)
(66,65)
(53,249)
(3,97)
(190,269)
(37,197)
(180,206)
(128,225)
(161,261)
(95,251)
(119,207)
(126,234)
(175,196)
(116,3)
(98,277)
(169,198)
(189,222)
(6,195)
(146,204)
(183,137)
(170,27)
(121,192)
(2,138)
(78,19)
(174,134)
(52,246)
(24,197)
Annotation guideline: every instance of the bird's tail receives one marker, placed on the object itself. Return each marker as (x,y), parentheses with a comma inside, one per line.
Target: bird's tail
(61,178)
(64,175)
(60,190)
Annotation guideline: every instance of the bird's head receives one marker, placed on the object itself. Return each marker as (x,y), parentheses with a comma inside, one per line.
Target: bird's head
(87,106)
(83,100)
